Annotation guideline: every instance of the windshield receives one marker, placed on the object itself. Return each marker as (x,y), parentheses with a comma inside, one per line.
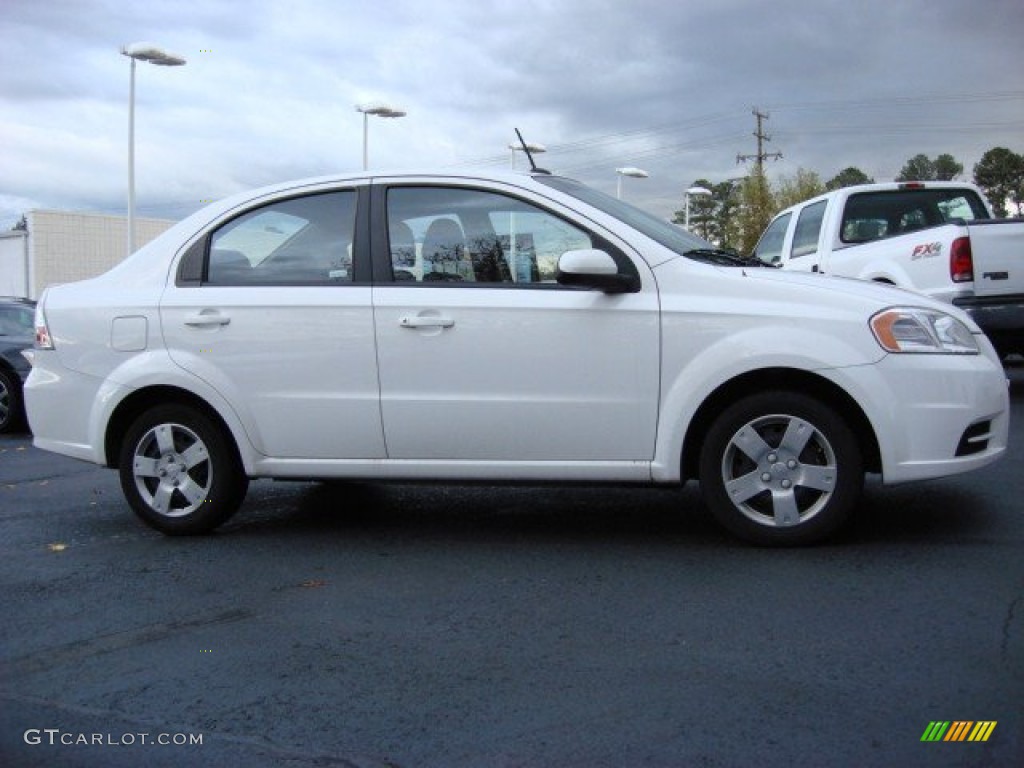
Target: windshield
(673,237)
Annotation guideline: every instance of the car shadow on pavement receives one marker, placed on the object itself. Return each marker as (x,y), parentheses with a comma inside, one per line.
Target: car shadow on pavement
(479,511)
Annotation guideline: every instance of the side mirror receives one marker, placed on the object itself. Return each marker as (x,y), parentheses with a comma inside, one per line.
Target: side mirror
(592,268)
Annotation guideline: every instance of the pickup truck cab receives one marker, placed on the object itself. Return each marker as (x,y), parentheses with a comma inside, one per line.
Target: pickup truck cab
(936,238)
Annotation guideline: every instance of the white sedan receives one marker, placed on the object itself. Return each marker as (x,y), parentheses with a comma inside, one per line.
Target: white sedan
(498,327)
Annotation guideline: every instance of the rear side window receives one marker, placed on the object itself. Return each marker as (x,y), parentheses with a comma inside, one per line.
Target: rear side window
(300,241)
(808,227)
(874,215)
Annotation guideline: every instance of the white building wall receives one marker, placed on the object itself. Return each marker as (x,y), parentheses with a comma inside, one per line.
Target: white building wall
(64,247)
(14,277)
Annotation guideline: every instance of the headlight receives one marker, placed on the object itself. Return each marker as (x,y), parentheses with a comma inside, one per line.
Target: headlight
(907,329)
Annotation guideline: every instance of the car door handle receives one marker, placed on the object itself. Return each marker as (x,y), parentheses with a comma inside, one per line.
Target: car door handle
(427,321)
(206,319)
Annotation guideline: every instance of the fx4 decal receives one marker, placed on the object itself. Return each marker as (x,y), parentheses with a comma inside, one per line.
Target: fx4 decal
(926,251)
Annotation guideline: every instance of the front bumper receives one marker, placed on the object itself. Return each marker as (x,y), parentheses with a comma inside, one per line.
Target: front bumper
(945,414)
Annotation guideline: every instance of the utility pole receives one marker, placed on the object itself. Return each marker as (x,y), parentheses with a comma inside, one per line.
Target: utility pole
(761,137)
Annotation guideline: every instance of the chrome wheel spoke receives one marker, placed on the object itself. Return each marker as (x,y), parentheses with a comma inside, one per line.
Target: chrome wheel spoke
(744,488)
(798,434)
(819,478)
(164,437)
(751,443)
(146,467)
(162,498)
(192,491)
(194,454)
(784,508)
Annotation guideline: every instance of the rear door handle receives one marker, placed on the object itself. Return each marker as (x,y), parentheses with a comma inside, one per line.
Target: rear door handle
(426,321)
(206,319)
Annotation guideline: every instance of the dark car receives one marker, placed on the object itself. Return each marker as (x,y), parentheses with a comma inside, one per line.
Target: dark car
(17,328)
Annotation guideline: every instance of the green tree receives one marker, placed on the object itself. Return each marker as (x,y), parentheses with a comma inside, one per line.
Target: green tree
(1000,173)
(790,190)
(848,177)
(918,168)
(755,210)
(947,168)
(703,211)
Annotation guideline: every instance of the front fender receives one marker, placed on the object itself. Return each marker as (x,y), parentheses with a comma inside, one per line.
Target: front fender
(690,378)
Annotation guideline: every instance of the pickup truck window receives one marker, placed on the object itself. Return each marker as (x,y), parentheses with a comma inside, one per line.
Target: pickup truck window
(769,247)
(808,227)
(874,215)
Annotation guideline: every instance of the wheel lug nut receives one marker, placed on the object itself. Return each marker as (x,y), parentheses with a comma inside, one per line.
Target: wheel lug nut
(787,484)
(766,477)
(791,464)
(772,458)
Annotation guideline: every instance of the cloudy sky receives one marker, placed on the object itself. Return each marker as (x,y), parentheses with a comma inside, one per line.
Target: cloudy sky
(270,86)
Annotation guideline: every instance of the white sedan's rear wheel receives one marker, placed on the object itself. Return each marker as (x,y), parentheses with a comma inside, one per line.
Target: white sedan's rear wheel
(179,472)
(781,468)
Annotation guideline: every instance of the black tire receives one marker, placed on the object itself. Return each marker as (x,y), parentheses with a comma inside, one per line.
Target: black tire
(180,472)
(772,489)
(12,408)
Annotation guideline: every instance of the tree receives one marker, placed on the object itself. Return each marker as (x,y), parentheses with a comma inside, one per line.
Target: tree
(703,209)
(795,189)
(848,177)
(918,168)
(947,168)
(1000,173)
(756,206)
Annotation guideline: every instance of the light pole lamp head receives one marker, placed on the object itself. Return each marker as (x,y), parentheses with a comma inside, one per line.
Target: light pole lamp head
(152,54)
(632,172)
(699,191)
(380,110)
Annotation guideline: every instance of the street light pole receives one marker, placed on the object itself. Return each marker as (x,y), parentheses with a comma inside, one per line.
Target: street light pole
(154,55)
(635,173)
(687,194)
(380,110)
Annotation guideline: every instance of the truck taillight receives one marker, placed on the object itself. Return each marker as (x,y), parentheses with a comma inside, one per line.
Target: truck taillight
(961,261)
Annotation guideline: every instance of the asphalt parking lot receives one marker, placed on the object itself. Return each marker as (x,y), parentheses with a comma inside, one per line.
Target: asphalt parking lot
(402,625)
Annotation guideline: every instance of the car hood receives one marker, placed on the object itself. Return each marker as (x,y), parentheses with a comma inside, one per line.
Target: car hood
(807,289)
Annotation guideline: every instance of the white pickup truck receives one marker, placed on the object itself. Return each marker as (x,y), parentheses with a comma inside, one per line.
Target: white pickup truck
(937,238)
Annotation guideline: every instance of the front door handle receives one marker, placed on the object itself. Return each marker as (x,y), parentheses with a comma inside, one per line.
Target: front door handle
(206,319)
(426,321)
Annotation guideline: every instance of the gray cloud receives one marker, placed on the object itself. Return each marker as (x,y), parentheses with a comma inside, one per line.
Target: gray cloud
(270,87)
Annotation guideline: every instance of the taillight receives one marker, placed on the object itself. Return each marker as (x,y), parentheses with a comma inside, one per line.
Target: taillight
(961,261)
(43,340)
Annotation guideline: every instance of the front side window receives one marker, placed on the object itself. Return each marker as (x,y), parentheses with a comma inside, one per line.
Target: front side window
(455,235)
(808,227)
(769,247)
(299,241)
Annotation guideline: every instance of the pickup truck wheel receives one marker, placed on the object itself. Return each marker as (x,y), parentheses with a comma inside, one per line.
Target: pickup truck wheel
(781,468)
(180,472)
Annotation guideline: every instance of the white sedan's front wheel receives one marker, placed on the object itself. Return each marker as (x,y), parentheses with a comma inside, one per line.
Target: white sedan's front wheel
(781,468)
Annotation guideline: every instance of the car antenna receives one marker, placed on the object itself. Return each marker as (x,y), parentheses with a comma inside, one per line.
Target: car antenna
(529,156)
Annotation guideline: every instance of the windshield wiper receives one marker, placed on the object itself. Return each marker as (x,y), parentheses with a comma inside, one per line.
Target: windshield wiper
(725,258)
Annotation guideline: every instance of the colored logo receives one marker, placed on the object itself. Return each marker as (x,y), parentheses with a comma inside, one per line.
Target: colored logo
(959,730)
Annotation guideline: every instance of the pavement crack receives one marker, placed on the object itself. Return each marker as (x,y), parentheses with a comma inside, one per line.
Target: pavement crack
(78,651)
